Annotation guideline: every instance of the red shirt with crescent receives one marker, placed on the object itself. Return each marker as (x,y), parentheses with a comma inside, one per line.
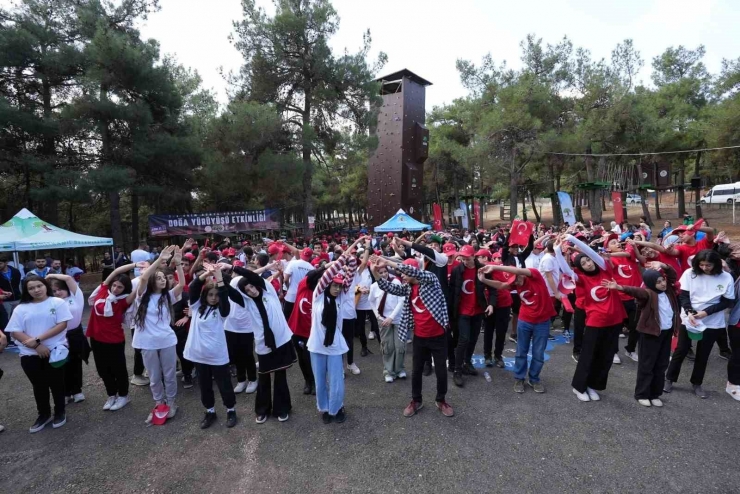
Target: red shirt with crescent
(627,272)
(603,307)
(503,297)
(425,325)
(536,304)
(450,267)
(300,319)
(469,305)
(106,329)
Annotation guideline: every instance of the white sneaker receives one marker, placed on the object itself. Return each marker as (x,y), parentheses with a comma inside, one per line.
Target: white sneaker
(645,403)
(402,375)
(581,396)
(656,402)
(240,387)
(251,387)
(109,403)
(172,412)
(592,394)
(79,397)
(622,335)
(140,381)
(632,355)
(388,378)
(616,359)
(733,390)
(121,402)
(353,369)
(371,336)
(178,373)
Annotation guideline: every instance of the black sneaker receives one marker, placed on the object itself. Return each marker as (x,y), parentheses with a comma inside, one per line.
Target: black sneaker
(326,418)
(576,356)
(261,419)
(457,379)
(451,368)
(512,338)
(208,420)
(307,389)
(488,362)
(59,420)
(40,423)
(364,352)
(469,370)
(341,416)
(499,362)
(727,355)
(427,369)
(231,419)
(187,382)
(691,355)
(551,337)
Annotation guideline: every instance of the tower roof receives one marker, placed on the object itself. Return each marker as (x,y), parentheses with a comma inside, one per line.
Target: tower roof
(404,73)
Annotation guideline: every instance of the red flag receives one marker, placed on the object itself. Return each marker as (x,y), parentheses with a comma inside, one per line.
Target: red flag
(566,304)
(520,232)
(437,223)
(618,211)
(476,216)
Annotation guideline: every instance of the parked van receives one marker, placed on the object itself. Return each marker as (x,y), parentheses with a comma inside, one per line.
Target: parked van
(722,194)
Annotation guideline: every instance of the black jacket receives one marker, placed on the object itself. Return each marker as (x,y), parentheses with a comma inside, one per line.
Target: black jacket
(440,272)
(13,286)
(456,281)
(508,260)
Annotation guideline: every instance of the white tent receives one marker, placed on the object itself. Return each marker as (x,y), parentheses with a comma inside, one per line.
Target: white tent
(25,231)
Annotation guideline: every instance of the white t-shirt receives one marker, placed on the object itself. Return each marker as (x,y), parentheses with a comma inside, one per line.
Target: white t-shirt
(706,290)
(239,319)
(393,303)
(549,264)
(278,324)
(74,271)
(156,333)
(364,280)
(318,332)
(665,311)
(35,319)
(139,255)
(534,260)
(297,269)
(347,310)
(76,304)
(206,343)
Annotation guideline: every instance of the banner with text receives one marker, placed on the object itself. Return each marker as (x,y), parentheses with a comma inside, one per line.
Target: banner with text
(566,207)
(203,223)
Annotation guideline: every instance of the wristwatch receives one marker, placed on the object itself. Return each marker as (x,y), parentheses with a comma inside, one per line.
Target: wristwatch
(38,342)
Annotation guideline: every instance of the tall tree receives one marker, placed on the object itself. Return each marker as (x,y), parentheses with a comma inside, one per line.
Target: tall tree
(288,62)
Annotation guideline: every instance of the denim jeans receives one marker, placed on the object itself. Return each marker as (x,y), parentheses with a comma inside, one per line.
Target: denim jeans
(537,334)
(328,371)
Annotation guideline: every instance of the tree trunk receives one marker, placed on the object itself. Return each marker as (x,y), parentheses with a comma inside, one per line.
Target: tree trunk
(135,219)
(697,199)
(307,164)
(534,207)
(524,206)
(115,196)
(556,216)
(681,181)
(51,205)
(513,197)
(645,210)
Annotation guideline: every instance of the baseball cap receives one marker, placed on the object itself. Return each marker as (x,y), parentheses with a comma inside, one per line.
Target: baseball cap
(483,253)
(389,234)
(339,278)
(467,251)
(306,254)
(412,262)
(58,356)
(437,239)
(238,264)
(159,414)
(274,249)
(315,263)
(449,248)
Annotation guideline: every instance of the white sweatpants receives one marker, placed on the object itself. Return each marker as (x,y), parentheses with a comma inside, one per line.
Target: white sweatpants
(162,368)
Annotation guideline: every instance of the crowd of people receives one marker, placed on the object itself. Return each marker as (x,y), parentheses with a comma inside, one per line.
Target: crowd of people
(204,312)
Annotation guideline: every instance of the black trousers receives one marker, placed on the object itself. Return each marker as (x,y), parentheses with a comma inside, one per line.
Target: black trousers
(222,376)
(703,350)
(182,338)
(497,323)
(360,325)
(652,362)
(45,378)
(733,366)
(78,348)
(138,359)
(275,402)
(631,323)
(348,331)
(110,362)
(597,355)
(426,349)
(579,326)
(241,354)
(468,328)
(304,358)
(288,309)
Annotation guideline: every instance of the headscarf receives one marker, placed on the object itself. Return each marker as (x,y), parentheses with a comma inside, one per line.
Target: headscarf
(650,278)
(269,335)
(329,318)
(577,265)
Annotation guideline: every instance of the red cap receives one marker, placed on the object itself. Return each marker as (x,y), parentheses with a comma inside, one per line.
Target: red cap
(339,278)
(610,237)
(238,264)
(496,255)
(189,256)
(230,251)
(315,263)
(306,254)
(483,253)
(274,249)
(389,234)
(412,262)
(159,414)
(449,248)
(378,252)
(467,251)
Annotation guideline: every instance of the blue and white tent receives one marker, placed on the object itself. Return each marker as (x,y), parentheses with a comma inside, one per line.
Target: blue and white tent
(401,221)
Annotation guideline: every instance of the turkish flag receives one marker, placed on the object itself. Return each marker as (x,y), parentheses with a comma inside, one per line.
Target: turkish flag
(520,232)
(618,211)
(437,223)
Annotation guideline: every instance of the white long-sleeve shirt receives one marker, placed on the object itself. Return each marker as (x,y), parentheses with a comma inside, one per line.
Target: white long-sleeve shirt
(393,303)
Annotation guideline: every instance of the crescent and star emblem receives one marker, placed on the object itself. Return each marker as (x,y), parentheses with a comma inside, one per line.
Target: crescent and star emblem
(467,291)
(622,274)
(300,306)
(596,297)
(524,299)
(416,308)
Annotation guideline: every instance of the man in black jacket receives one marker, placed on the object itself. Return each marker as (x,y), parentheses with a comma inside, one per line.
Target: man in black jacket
(10,284)
(512,255)
(469,304)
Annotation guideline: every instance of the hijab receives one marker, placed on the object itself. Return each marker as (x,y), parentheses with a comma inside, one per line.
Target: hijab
(329,318)
(269,335)
(650,277)
(577,264)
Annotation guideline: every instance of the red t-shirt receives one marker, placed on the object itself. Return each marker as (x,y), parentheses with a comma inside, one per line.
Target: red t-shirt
(672,261)
(503,297)
(536,304)
(603,306)
(627,271)
(300,318)
(450,267)
(469,305)
(425,325)
(106,329)
(685,252)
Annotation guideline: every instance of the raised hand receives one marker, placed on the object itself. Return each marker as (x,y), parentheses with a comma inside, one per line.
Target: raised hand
(610,284)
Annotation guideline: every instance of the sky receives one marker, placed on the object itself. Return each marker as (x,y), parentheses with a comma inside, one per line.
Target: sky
(428,36)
